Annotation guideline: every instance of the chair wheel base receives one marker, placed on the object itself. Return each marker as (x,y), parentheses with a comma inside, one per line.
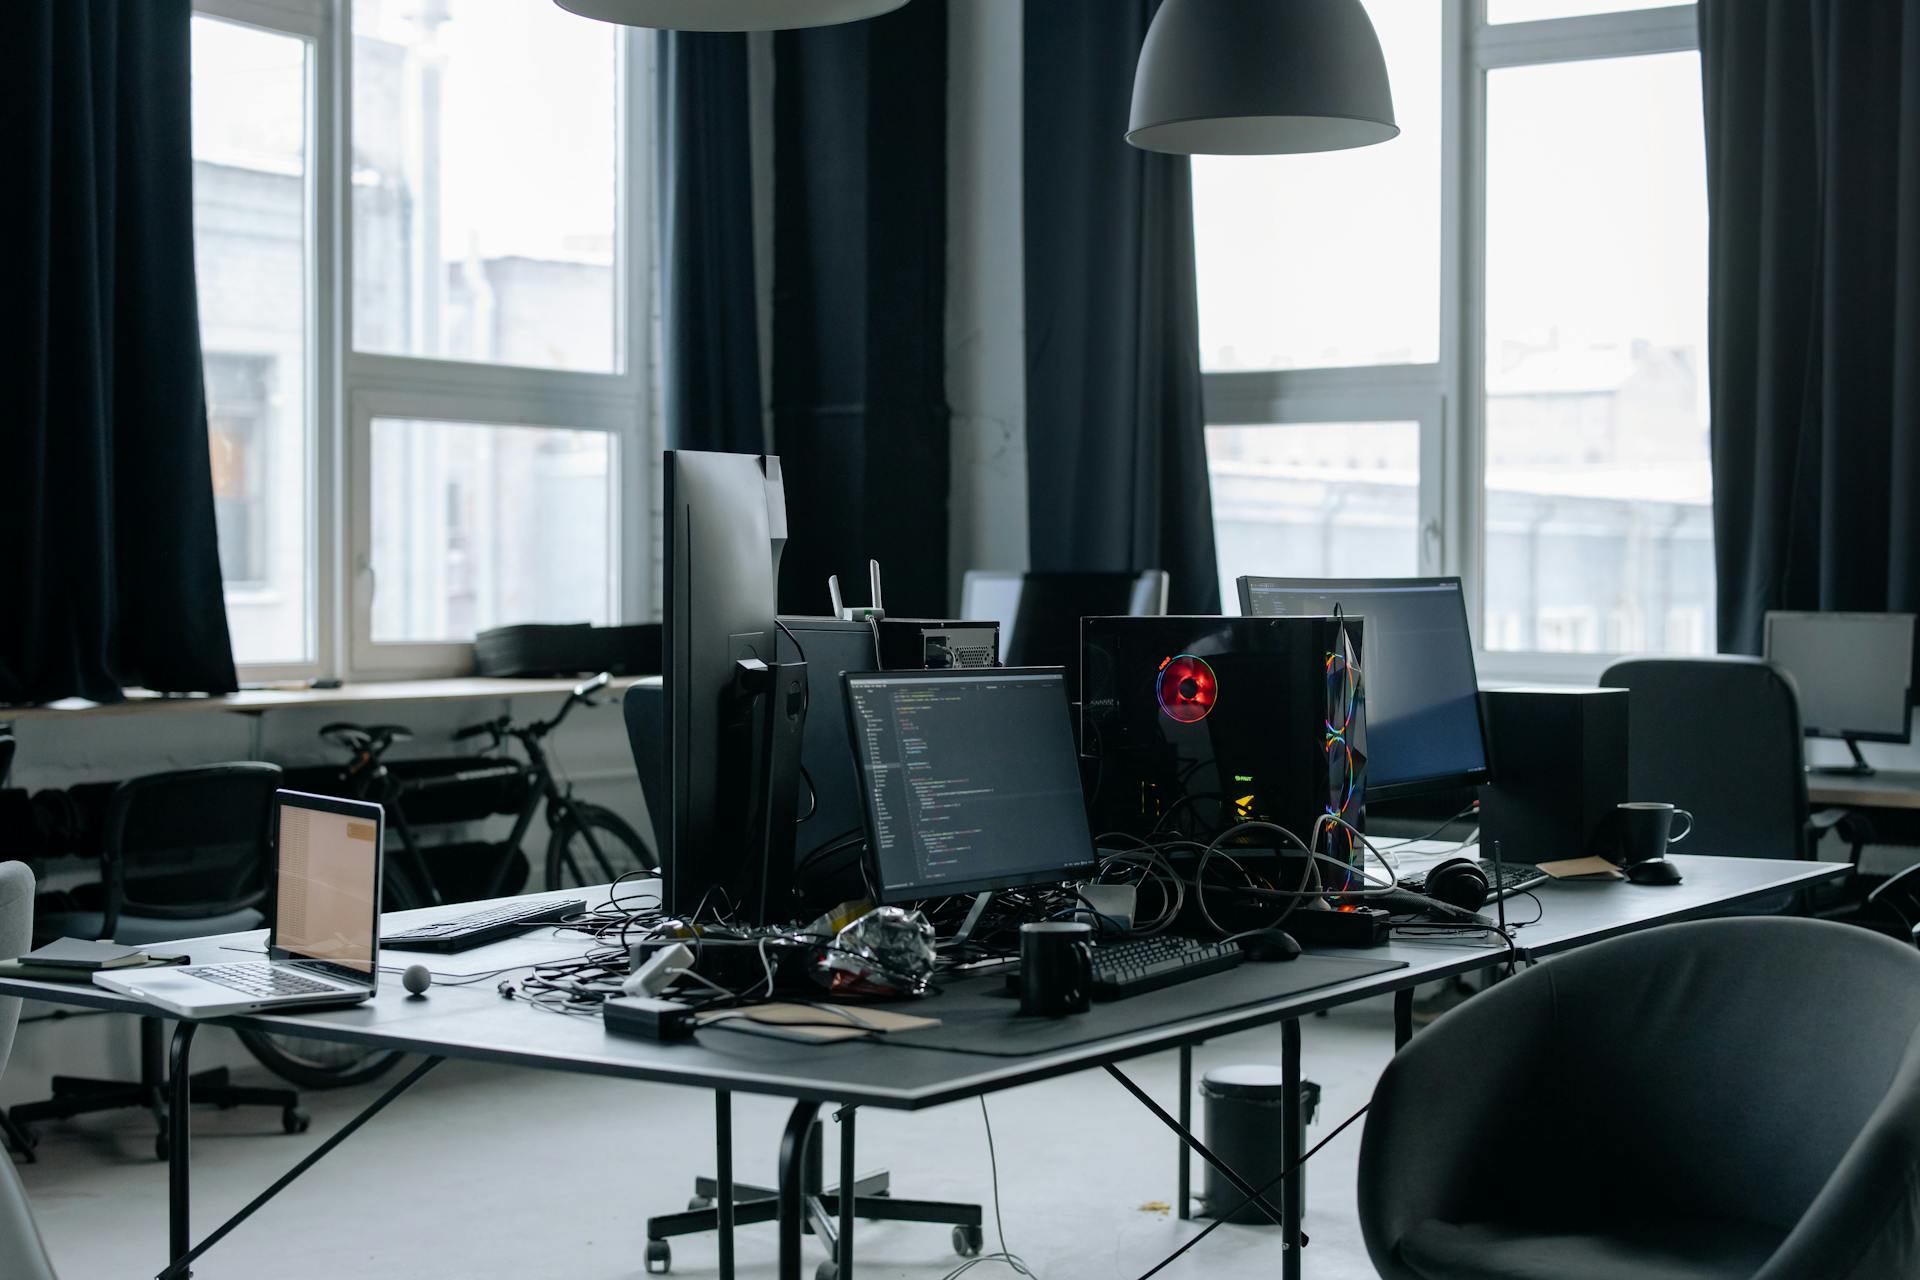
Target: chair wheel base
(659,1258)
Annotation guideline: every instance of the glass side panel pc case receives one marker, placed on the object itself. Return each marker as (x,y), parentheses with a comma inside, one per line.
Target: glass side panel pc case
(1196,725)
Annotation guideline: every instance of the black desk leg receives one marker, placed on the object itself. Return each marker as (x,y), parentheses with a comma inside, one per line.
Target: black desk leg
(1291,1238)
(849,1197)
(793,1185)
(179,1125)
(1185,1193)
(1402,1018)
(723,1177)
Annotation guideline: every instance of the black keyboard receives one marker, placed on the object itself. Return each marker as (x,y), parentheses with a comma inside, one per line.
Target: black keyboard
(267,981)
(1122,969)
(1513,877)
(481,927)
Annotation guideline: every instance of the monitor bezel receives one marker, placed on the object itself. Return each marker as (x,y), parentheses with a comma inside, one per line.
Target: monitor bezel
(1062,874)
(366,811)
(1850,615)
(1414,786)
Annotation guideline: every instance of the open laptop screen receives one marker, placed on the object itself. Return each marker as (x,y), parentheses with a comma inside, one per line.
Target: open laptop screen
(327,882)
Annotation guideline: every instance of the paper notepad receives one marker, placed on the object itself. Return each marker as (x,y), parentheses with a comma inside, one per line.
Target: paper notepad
(819,1024)
(1582,869)
(77,953)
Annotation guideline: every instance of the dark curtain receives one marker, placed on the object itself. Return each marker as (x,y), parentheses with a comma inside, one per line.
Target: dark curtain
(1116,443)
(859,305)
(711,341)
(1813,181)
(109,561)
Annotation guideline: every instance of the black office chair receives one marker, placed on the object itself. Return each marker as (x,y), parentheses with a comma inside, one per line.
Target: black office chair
(1894,907)
(183,854)
(1694,1101)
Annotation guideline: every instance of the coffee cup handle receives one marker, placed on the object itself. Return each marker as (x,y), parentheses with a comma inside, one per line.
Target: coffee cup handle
(1083,964)
(1685,831)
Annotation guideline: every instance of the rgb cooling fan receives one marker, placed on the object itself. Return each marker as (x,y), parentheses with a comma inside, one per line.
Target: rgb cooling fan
(1187,688)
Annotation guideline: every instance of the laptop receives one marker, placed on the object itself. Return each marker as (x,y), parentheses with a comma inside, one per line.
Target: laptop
(324,948)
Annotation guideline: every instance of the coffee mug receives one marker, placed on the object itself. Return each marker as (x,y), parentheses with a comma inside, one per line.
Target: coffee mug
(1646,829)
(1056,968)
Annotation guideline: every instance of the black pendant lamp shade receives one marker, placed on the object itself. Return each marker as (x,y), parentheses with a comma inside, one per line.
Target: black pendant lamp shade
(729,15)
(1260,77)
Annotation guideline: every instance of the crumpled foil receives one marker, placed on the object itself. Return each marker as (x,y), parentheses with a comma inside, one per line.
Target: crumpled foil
(886,952)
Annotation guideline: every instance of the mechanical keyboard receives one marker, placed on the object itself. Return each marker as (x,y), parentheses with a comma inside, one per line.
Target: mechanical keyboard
(263,980)
(481,927)
(1122,969)
(1514,877)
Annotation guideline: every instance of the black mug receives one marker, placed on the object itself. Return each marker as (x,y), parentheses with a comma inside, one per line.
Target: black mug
(1056,968)
(1646,829)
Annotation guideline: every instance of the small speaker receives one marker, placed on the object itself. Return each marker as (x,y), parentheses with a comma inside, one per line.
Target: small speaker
(1559,769)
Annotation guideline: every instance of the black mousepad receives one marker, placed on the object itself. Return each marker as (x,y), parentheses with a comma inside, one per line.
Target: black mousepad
(978,1016)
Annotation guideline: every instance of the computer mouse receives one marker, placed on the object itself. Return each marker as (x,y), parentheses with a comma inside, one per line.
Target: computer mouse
(1654,871)
(1270,944)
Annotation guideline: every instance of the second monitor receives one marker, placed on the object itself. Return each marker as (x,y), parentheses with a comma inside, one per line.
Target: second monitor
(970,781)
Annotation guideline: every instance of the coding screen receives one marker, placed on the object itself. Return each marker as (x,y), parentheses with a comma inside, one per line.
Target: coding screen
(1423,709)
(971,782)
(329,868)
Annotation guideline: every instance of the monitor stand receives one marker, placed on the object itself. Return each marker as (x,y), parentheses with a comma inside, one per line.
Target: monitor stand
(1858,769)
(974,912)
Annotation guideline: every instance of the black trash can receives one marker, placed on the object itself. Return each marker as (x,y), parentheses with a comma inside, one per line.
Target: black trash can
(1243,1127)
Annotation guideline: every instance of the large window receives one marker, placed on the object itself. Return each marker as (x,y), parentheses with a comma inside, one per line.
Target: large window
(252,196)
(439,439)
(1480,348)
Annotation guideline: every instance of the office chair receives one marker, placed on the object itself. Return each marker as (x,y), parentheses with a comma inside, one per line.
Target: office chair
(1894,906)
(1692,1101)
(182,855)
(22,1254)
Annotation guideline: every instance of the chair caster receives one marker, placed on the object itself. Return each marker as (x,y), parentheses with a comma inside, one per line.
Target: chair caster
(659,1258)
(968,1240)
(698,1203)
(294,1120)
(828,1270)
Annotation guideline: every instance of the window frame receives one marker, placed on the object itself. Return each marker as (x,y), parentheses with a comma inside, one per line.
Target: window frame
(346,389)
(1448,396)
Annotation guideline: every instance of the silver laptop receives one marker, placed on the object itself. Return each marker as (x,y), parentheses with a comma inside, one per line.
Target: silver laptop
(324,948)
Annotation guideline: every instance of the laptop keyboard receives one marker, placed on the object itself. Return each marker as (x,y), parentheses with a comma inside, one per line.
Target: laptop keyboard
(265,980)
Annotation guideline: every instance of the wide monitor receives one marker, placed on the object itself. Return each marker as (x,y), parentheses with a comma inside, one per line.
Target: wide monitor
(1424,729)
(1039,613)
(1852,670)
(969,779)
(726,840)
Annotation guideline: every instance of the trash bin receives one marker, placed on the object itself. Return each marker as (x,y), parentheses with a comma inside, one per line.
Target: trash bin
(1242,1126)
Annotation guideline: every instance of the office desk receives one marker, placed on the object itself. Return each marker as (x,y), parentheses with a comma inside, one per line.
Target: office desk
(1885,789)
(475,1023)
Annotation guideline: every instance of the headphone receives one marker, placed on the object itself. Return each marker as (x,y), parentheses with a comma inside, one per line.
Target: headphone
(1459,882)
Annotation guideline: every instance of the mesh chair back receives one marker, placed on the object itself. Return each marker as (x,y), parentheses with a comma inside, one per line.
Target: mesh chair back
(1720,737)
(189,844)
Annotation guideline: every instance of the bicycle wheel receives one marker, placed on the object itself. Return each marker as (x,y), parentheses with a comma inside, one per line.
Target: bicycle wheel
(318,1064)
(593,845)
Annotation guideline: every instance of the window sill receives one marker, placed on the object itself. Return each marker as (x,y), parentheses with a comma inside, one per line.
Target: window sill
(359,693)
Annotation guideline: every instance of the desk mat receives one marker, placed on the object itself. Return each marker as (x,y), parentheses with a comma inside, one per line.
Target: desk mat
(977,1015)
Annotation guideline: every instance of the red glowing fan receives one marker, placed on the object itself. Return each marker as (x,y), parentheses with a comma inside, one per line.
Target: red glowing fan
(1187,688)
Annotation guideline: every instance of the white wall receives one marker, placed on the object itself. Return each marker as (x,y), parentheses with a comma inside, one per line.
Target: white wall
(986,303)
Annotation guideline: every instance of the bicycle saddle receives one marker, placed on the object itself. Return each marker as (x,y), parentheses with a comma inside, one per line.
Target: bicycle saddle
(358,737)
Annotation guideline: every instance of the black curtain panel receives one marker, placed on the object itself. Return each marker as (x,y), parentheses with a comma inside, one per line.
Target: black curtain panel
(711,340)
(859,305)
(1116,441)
(109,563)
(1813,181)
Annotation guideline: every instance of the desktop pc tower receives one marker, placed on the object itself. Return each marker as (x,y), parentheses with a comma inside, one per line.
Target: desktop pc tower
(1193,725)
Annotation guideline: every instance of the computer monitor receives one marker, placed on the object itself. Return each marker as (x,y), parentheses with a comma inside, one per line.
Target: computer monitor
(830,809)
(1039,613)
(1853,671)
(733,717)
(1424,730)
(969,779)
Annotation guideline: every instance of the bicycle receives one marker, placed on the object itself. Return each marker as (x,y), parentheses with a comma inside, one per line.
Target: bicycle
(587,844)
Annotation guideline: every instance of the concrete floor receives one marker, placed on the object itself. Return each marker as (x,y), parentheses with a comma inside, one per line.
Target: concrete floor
(485,1172)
